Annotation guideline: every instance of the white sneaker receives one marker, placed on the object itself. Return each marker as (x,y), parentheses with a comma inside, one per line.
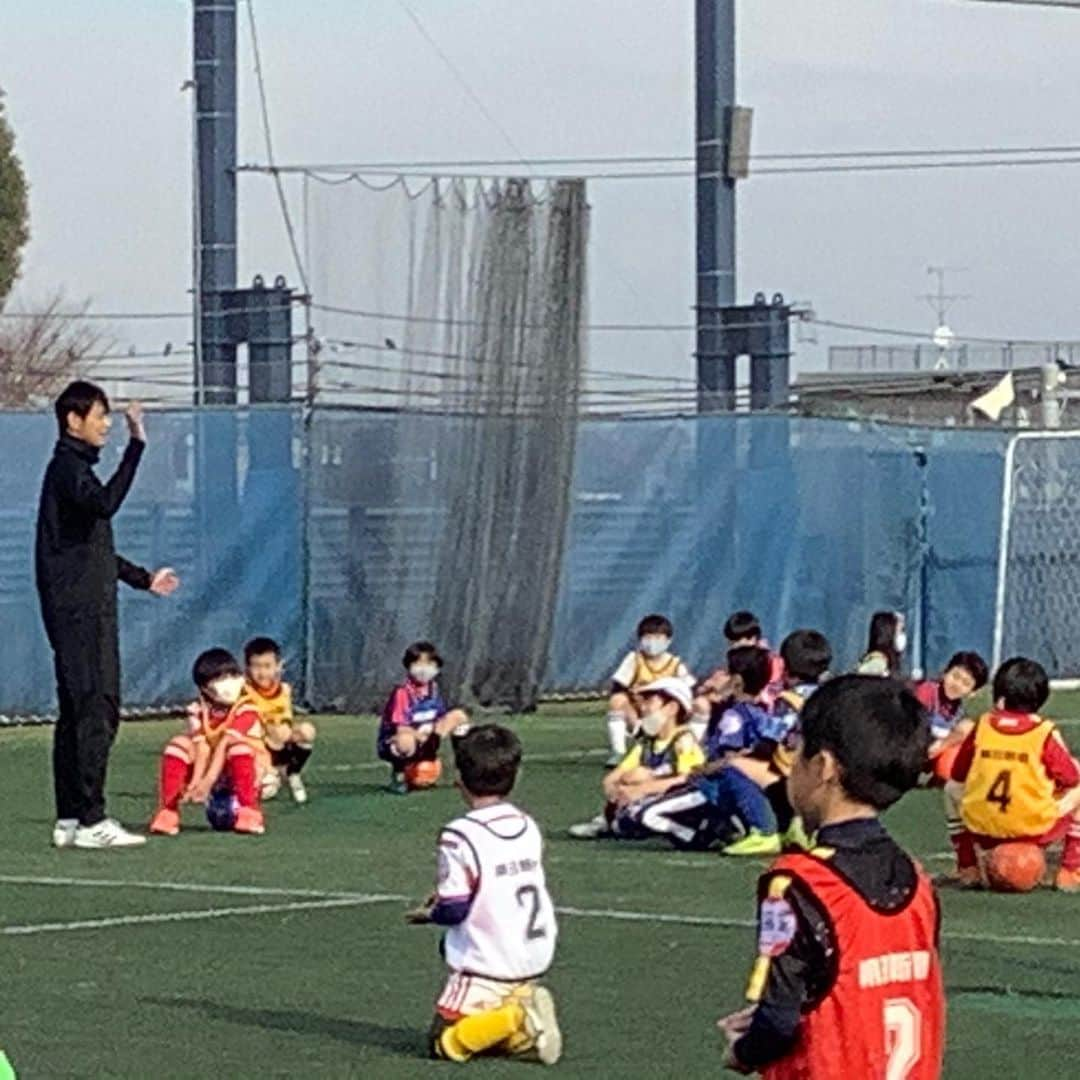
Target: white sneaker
(543,1025)
(591,830)
(270,784)
(106,834)
(296,786)
(63,834)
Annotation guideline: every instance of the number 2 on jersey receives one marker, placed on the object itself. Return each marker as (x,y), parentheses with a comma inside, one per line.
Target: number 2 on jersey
(530,895)
(1001,790)
(903,1037)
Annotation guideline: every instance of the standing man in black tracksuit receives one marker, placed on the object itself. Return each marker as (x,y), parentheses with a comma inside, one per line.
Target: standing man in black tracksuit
(77,569)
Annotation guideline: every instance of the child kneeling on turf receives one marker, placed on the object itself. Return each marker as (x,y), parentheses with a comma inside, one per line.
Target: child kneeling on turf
(1020,780)
(415,720)
(650,661)
(223,748)
(665,753)
(289,741)
(499,921)
(847,980)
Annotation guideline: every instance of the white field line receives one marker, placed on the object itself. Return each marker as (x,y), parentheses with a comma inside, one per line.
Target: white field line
(180,886)
(193,916)
(342,900)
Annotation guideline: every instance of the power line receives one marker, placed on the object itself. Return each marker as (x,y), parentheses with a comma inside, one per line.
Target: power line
(463,82)
(282,202)
(670,159)
(915,165)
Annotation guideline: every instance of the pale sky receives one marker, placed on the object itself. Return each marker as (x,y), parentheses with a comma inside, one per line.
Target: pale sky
(93,92)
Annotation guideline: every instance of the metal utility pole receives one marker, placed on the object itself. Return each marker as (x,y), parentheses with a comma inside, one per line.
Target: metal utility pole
(714,28)
(214,38)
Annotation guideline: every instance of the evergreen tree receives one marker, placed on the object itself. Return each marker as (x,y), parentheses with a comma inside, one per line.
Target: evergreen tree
(14,208)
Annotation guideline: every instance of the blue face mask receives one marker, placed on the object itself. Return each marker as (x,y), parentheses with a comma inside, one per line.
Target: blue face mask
(654,646)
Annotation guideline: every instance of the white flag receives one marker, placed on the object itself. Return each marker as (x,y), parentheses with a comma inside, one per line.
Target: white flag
(996,400)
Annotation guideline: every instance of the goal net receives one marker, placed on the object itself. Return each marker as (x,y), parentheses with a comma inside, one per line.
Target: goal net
(1037,610)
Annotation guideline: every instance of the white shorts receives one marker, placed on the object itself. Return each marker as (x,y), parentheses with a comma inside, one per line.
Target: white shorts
(466,995)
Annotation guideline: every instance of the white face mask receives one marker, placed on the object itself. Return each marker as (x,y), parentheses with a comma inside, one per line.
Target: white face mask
(652,722)
(227,690)
(654,646)
(423,673)
(900,641)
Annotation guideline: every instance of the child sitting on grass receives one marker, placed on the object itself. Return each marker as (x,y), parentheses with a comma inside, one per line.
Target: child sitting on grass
(650,661)
(885,647)
(223,749)
(1020,780)
(807,656)
(289,741)
(415,720)
(742,629)
(664,755)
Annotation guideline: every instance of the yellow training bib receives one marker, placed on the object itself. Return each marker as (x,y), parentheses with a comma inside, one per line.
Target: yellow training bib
(1008,792)
(646,673)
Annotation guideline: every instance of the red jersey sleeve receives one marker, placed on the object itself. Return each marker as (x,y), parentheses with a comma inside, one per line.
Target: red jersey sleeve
(1059,763)
(246,721)
(397,709)
(964,757)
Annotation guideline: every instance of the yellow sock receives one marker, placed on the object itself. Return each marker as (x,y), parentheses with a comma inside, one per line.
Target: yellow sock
(472,1035)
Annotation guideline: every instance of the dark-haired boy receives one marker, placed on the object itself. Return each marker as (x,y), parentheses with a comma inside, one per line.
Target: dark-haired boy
(807,657)
(289,741)
(491,898)
(415,718)
(1020,780)
(650,661)
(223,745)
(943,698)
(742,629)
(848,977)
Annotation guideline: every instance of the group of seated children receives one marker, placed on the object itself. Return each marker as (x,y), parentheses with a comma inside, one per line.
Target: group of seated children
(700,777)
(241,742)
(709,761)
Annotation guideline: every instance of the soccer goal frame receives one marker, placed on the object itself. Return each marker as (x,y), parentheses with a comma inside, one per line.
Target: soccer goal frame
(1009,493)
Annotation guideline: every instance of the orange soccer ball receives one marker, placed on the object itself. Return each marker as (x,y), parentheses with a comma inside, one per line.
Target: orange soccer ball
(1015,867)
(423,774)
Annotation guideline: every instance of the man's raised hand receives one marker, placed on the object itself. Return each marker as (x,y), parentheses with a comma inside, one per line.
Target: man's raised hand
(133,414)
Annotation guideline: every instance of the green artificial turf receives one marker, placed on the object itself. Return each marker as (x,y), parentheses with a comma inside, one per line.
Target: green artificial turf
(341,987)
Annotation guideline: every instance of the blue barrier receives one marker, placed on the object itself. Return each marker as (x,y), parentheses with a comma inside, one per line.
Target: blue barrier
(333,542)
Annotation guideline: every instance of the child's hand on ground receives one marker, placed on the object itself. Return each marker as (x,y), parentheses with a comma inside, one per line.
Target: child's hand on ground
(420,916)
(734,1027)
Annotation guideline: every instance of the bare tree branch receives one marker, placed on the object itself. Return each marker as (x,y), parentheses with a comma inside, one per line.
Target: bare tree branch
(39,356)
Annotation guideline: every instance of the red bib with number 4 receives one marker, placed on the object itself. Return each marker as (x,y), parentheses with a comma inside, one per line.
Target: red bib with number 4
(884,1015)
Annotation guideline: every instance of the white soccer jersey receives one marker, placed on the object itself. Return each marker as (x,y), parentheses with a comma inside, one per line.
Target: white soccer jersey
(494,856)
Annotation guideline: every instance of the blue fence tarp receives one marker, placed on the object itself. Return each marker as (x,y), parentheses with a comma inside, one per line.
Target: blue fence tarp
(302,527)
